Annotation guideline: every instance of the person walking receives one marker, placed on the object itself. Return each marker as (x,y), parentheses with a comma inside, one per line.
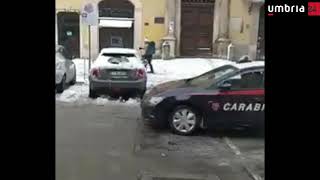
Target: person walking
(150,50)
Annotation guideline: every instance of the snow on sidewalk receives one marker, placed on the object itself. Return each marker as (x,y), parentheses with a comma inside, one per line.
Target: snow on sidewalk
(169,70)
(78,94)
(82,66)
(165,70)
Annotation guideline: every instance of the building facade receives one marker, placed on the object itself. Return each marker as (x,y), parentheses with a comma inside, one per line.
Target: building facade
(187,27)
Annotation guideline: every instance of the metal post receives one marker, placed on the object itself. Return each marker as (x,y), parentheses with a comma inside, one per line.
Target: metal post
(84,69)
(89,47)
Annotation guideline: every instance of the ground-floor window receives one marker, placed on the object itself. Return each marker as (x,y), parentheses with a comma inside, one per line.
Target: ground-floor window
(116,24)
(115,37)
(68,32)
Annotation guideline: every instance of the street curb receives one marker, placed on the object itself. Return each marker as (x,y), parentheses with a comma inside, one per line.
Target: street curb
(237,152)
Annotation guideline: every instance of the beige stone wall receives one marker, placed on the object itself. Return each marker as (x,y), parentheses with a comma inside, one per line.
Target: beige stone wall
(243,26)
(240,22)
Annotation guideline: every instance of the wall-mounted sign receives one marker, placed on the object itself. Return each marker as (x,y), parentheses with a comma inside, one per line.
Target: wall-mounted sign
(89,14)
(115,23)
(236,24)
(116,12)
(69,33)
(159,20)
(116,41)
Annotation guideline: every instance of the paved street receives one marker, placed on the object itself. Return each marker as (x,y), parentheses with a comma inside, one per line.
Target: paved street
(110,142)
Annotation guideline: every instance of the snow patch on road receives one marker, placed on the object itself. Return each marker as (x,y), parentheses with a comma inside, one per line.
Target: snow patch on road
(78,94)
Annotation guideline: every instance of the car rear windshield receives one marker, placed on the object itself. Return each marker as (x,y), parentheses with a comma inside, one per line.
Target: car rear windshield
(118,55)
(117,60)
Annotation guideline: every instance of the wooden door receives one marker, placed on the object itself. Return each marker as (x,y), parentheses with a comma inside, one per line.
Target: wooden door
(196,27)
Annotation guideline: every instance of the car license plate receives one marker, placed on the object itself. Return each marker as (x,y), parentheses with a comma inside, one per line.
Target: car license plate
(118,73)
(116,89)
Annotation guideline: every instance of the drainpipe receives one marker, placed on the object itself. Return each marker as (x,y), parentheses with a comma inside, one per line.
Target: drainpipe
(230,52)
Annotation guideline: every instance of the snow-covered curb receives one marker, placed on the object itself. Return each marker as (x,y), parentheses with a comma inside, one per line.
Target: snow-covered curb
(165,70)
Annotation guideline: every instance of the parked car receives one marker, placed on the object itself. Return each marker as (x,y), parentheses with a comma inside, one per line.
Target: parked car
(117,72)
(230,96)
(65,69)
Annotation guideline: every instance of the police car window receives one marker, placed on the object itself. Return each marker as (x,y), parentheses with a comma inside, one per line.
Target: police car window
(206,80)
(247,80)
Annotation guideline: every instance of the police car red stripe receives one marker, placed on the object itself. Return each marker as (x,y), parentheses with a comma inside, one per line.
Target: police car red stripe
(244,92)
(234,92)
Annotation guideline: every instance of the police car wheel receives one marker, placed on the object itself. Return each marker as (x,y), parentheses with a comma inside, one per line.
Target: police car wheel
(184,120)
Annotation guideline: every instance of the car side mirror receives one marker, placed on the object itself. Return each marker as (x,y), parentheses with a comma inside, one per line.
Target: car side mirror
(225,86)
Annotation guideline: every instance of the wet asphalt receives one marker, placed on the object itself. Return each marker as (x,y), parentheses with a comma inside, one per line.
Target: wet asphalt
(111,142)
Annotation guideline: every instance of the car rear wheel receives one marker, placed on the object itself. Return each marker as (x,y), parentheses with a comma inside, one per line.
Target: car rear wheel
(74,80)
(184,120)
(61,86)
(92,93)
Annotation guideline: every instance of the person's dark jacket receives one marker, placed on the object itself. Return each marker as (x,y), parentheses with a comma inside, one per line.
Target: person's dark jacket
(151,49)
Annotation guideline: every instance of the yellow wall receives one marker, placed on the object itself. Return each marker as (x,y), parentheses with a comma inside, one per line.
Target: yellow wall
(239,8)
(152,9)
(68,4)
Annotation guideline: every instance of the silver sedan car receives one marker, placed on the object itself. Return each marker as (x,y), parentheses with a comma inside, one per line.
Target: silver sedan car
(65,69)
(118,72)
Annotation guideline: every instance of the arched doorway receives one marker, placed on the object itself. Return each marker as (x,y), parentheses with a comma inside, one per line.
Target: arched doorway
(68,31)
(116,24)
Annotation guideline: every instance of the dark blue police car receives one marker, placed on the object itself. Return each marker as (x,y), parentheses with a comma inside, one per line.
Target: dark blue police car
(230,96)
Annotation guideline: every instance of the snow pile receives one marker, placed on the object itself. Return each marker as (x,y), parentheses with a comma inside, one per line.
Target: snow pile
(119,50)
(101,101)
(250,64)
(78,94)
(104,61)
(69,96)
(82,68)
(75,93)
(169,70)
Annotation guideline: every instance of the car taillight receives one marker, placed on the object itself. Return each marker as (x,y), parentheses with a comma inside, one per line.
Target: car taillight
(140,73)
(95,72)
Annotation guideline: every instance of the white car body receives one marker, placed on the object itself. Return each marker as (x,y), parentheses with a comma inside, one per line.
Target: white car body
(117,71)
(134,62)
(64,67)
